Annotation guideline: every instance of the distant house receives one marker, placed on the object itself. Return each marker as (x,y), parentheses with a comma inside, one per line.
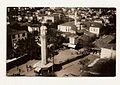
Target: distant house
(95,28)
(34,27)
(82,39)
(39,18)
(85,32)
(67,27)
(105,19)
(71,16)
(15,35)
(108,52)
(35,30)
(53,18)
(30,18)
(98,21)
(73,41)
(95,17)
(82,26)
(107,46)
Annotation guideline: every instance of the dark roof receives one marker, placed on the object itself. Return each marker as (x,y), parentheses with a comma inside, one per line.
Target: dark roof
(105,42)
(35,25)
(86,32)
(104,67)
(106,39)
(93,24)
(67,34)
(24,24)
(12,31)
(85,38)
(86,23)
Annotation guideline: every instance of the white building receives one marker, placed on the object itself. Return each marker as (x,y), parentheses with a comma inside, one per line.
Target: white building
(67,27)
(94,30)
(33,28)
(54,18)
(73,40)
(17,35)
(107,46)
(98,21)
(108,53)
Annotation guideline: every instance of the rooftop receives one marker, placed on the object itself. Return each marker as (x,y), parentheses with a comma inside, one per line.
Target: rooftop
(86,32)
(12,31)
(70,24)
(105,42)
(96,24)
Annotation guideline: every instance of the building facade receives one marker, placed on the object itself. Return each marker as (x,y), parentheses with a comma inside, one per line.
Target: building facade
(94,30)
(16,36)
(53,18)
(108,53)
(67,27)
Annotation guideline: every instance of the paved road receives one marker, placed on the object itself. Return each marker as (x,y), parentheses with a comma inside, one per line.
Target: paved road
(23,69)
(73,68)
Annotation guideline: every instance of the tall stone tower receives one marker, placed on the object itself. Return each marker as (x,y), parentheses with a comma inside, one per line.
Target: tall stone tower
(43,44)
(43,63)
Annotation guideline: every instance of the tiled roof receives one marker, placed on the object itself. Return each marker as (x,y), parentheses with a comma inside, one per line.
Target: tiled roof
(86,32)
(95,24)
(104,42)
(14,31)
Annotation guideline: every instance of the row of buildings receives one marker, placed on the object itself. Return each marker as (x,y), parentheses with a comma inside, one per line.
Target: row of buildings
(83,24)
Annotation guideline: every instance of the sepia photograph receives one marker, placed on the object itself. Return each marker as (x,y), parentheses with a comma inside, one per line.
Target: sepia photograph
(61,41)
